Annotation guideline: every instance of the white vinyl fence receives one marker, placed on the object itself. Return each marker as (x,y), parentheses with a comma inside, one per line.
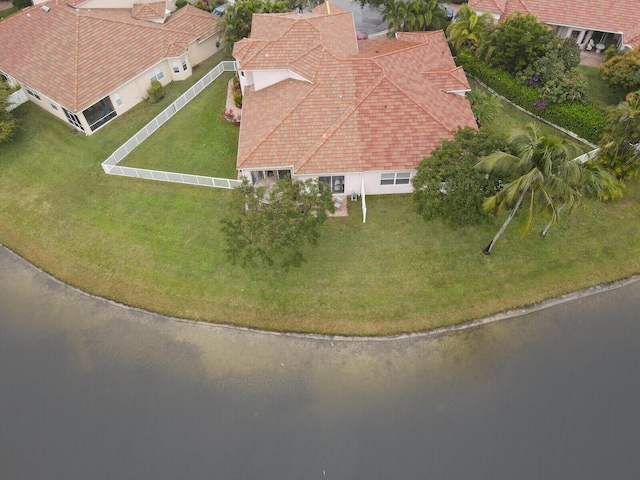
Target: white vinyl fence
(111,167)
(364,203)
(16,99)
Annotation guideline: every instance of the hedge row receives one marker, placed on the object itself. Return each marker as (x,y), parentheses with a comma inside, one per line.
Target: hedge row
(587,121)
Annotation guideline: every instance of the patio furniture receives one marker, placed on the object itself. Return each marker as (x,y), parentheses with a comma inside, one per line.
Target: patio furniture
(600,47)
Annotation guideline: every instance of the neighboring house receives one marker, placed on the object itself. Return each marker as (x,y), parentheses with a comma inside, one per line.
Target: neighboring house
(320,104)
(87,64)
(593,24)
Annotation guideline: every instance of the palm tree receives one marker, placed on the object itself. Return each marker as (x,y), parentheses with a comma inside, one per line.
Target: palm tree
(413,16)
(544,177)
(484,106)
(468,28)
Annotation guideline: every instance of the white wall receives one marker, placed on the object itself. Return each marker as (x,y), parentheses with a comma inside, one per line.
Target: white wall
(352,182)
(265,78)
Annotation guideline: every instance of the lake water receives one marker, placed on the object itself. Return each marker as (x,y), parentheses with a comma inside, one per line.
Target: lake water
(90,390)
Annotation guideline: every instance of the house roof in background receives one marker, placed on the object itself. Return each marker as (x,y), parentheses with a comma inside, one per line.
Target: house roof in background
(152,12)
(384,106)
(76,57)
(605,15)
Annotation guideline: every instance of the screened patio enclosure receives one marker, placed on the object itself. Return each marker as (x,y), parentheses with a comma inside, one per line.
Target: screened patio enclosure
(99,113)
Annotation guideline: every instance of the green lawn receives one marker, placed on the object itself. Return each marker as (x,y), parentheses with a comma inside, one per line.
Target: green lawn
(196,140)
(598,89)
(158,245)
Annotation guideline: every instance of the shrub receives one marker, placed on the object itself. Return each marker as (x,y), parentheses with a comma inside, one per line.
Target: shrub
(156,92)
(623,71)
(587,121)
(237,99)
(180,4)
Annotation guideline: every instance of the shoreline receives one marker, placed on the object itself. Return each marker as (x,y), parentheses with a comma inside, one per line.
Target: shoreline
(498,316)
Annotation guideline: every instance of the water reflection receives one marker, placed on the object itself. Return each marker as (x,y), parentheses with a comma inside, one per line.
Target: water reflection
(91,390)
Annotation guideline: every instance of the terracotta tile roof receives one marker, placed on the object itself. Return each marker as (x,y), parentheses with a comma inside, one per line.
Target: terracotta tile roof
(153,12)
(383,108)
(488,5)
(76,57)
(604,15)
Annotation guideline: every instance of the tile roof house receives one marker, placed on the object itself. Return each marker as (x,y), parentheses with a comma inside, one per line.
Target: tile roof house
(88,65)
(320,104)
(592,23)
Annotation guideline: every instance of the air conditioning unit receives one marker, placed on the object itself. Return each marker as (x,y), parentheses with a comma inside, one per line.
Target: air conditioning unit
(45,8)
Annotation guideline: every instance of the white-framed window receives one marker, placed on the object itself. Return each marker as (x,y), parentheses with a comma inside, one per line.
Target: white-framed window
(184,64)
(117,99)
(176,67)
(53,105)
(156,74)
(31,92)
(395,178)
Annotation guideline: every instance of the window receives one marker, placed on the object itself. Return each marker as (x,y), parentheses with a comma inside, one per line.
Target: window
(73,119)
(176,67)
(400,178)
(336,183)
(31,92)
(184,63)
(156,74)
(53,105)
(118,100)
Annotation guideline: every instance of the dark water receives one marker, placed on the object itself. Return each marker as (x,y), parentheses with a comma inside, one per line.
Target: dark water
(89,390)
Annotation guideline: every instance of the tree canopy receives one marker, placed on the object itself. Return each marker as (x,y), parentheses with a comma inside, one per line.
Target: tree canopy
(623,71)
(515,43)
(414,16)
(272,226)
(446,185)
(237,17)
(468,28)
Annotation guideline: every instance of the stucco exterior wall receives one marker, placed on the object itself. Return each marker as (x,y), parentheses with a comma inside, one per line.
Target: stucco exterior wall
(201,50)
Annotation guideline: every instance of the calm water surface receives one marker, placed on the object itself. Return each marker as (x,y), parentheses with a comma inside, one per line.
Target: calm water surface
(89,390)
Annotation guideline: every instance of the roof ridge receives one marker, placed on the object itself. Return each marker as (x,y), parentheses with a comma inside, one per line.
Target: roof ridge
(343,118)
(291,63)
(258,144)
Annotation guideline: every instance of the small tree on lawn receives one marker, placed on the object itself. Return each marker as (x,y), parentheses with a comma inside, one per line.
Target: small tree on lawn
(274,225)
(446,184)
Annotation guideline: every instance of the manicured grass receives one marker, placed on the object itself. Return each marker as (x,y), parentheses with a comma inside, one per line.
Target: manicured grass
(196,140)
(158,246)
(597,87)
